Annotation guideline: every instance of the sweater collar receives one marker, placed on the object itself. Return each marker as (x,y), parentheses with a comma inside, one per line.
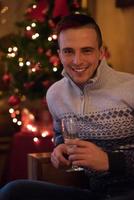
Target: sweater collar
(95,79)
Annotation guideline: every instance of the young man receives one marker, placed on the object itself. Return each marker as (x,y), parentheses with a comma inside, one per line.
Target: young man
(102,100)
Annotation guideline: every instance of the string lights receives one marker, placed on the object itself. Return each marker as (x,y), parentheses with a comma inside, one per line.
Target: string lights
(26,119)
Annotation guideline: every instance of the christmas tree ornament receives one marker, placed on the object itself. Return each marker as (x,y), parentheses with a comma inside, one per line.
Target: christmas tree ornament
(54,59)
(29,33)
(13,100)
(46,84)
(28,85)
(40,50)
(51,23)
(6,79)
(48,52)
(28,11)
(76,4)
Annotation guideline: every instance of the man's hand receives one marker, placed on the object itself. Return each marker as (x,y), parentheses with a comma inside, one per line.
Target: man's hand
(59,156)
(87,154)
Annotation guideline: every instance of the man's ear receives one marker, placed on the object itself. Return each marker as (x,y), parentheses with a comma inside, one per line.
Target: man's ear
(102,52)
(58,51)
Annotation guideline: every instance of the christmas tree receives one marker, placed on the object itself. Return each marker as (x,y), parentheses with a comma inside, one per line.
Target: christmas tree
(30,63)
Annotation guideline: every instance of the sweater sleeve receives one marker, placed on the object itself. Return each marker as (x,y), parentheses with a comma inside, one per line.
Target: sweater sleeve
(117,163)
(122,163)
(58,138)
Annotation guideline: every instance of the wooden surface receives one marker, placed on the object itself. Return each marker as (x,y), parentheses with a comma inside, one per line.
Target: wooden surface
(40,168)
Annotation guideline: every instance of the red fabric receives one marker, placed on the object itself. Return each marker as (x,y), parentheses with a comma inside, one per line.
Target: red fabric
(23,144)
(60,8)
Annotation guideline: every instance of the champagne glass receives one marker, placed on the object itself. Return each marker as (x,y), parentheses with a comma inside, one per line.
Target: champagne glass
(70,130)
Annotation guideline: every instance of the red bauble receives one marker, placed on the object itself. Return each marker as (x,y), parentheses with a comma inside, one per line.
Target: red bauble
(54,60)
(49,53)
(13,100)
(51,23)
(28,85)
(40,50)
(6,79)
(46,84)
(76,4)
(29,10)
(29,33)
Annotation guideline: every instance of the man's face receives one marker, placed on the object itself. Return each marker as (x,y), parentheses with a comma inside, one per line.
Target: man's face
(79,53)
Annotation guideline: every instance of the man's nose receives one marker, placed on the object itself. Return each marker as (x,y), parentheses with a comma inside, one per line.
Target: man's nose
(77,58)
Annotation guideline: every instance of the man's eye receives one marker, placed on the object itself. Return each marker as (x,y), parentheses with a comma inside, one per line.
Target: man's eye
(87,51)
(67,51)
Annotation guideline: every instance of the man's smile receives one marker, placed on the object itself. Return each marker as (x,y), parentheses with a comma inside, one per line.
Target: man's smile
(79,69)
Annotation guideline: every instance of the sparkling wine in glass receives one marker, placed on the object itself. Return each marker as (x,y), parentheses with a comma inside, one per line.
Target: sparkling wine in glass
(70,130)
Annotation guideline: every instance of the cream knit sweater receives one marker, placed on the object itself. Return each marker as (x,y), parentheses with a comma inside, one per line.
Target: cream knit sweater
(105,110)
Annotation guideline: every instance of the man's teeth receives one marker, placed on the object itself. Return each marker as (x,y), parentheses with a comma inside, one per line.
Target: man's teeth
(80,70)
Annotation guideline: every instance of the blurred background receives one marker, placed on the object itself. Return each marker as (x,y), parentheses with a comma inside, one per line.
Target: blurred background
(29,64)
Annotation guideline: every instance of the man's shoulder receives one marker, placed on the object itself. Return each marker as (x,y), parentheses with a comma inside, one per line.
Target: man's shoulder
(124,82)
(56,87)
(126,75)
(114,76)
(123,77)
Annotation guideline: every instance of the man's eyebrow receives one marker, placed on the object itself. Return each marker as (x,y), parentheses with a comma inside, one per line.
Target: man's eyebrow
(85,48)
(67,48)
(82,48)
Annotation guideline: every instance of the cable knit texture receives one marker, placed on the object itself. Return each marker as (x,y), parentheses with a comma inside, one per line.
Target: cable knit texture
(105,111)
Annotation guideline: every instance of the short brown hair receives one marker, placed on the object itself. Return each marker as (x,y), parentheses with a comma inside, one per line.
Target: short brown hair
(77,21)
